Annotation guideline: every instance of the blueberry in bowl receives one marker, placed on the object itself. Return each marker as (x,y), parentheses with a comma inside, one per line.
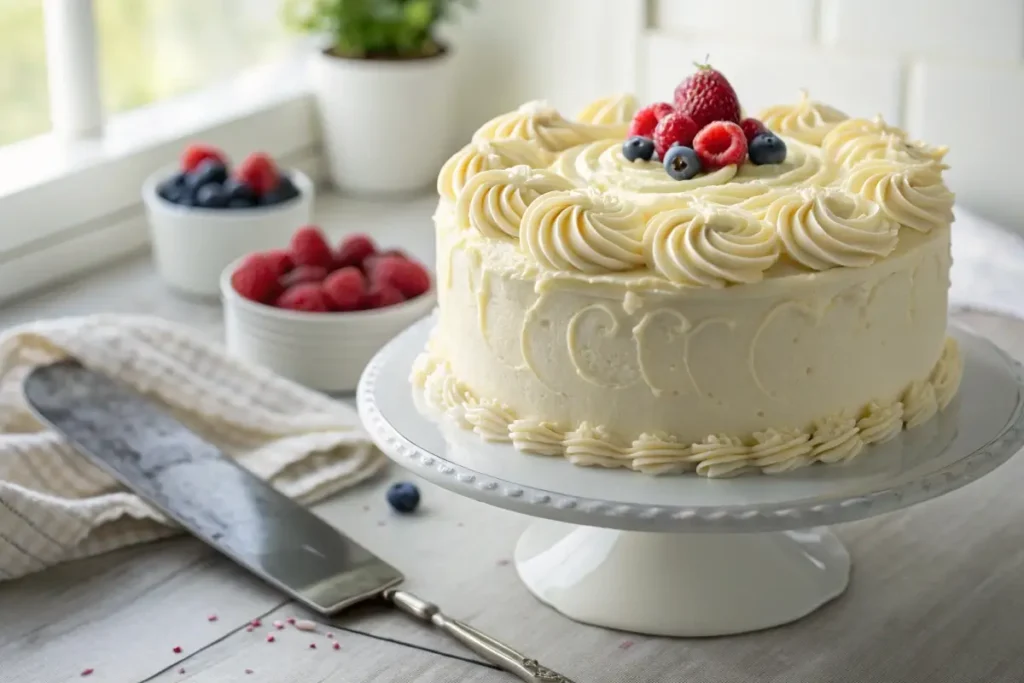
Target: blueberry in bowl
(205,212)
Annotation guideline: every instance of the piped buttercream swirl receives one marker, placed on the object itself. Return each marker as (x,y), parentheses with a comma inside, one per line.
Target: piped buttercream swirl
(710,246)
(919,403)
(822,228)
(543,124)
(807,120)
(720,455)
(660,453)
(493,202)
(948,372)
(486,156)
(781,450)
(583,231)
(881,422)
(537,436)
(857,140)
(490,419)
(617,109)
(836,439)
(911,195)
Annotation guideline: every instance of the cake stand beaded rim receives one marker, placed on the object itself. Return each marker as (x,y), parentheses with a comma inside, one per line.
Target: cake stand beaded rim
(756,517)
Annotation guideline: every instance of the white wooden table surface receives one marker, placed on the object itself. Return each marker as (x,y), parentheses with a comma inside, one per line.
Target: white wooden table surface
(122,615)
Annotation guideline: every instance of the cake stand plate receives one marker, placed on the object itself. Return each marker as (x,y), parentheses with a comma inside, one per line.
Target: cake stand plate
(684,555)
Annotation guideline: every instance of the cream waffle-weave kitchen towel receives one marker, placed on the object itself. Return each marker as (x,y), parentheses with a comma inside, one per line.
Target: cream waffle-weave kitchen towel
(56,506)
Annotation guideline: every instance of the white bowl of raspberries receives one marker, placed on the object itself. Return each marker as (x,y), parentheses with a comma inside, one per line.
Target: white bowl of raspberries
(203,214)
(316,314)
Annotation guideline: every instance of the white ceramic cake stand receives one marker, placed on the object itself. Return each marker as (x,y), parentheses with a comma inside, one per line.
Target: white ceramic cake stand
(683,555)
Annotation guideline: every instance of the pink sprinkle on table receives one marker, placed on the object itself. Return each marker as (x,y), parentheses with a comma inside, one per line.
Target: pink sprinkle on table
(248,671)
(337,645)
(181,670)
(279,625)
(212,617)
(248,629)
(271,638)
(626,644)
(312,646)
(291,620)
(256,623)
(177,649)
(87,672)
(330,635)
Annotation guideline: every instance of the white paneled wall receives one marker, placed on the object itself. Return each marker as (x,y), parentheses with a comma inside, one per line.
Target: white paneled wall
(950,71)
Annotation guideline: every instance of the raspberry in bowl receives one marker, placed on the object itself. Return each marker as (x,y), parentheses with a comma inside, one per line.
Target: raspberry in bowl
(317,313)
(205,213)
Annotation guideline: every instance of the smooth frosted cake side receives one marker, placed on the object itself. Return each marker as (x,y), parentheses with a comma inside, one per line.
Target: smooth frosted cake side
(752,318)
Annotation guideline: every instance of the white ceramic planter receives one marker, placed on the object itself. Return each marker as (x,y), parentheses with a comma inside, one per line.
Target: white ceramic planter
(192,246)
(323,351)
(387,125)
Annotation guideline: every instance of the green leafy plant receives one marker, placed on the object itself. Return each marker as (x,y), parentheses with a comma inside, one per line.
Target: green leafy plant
(375,29)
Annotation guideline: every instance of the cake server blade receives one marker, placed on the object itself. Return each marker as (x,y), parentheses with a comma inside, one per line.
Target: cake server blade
(193,483)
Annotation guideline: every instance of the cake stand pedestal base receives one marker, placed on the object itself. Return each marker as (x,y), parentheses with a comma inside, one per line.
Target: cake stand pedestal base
(678,584)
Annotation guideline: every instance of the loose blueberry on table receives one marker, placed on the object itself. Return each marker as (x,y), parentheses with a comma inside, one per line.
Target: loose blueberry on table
(403,497)
(701,130)
(205,180)
(313,277)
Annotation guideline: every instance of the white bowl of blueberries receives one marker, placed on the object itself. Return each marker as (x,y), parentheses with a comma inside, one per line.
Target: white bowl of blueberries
(203,214)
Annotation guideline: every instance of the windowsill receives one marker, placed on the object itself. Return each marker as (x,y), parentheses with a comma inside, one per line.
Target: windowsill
(68,207)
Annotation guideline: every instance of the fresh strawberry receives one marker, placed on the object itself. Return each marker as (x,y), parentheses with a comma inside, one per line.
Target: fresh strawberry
(707,96)
(301,274)
(752,128)
(408,277)
(719,144)
(280,259)
(256,279)
(380,295)
(345,289)
(675,129)
(259,172)
(309,248)
(198,153)
(307,296)
(647,118)
(353,251)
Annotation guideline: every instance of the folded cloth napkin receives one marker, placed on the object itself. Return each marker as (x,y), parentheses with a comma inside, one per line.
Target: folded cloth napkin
(56,506)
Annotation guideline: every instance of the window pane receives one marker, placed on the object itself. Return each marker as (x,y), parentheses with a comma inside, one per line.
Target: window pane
(154,49)
(24,99)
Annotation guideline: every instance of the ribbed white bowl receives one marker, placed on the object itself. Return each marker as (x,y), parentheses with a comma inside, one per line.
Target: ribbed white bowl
(323,351)
(192,245)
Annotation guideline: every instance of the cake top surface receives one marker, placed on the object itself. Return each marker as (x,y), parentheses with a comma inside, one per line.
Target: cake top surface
(802,188)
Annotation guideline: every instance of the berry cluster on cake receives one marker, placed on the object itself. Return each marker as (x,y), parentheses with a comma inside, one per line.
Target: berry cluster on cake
(682,289)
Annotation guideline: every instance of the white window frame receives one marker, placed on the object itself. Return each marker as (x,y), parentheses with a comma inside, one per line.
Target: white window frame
(70,200)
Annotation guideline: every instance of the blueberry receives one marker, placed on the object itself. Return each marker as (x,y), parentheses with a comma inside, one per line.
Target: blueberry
(241,203)
(237,189)
(209,171)
(285,191)
(211,196)
(403,497)
(681,163)
(767,148)
(638,149)
(171,188)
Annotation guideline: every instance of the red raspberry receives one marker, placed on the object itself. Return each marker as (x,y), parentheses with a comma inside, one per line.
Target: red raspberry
(370,262)
(408,277)
(719,144)
(198,153)
(303,297)
(752,128)
(309,248)
(707,96)
(259,171)
(380,295)
(676,128)
(280,259)
(353,251)
(256,279)
(345,289)
(300,274)
(647,118)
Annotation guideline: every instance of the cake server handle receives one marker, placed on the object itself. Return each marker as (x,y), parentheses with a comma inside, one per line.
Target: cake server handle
(494,651)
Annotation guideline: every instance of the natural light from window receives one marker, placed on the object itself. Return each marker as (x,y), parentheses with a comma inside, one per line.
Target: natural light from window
(149,50)
(24,99)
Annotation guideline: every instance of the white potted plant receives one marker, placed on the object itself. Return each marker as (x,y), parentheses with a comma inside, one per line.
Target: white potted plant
(383,86)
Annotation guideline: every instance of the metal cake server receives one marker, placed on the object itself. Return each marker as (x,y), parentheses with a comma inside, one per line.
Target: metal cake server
(195,484)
